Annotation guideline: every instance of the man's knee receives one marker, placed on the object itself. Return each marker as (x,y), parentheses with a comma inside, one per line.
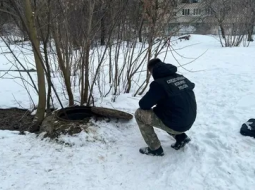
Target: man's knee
(138,113)
(143,116)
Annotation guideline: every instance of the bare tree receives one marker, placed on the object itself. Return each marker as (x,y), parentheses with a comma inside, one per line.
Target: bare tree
(29,22)
(80,38)
(220,9)
(25,12)
(249,11)
(157,14)
(230,16)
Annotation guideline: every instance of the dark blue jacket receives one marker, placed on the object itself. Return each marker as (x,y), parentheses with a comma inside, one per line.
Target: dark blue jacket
(173,96)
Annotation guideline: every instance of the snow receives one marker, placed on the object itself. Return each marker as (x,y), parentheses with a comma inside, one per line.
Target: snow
(107,157)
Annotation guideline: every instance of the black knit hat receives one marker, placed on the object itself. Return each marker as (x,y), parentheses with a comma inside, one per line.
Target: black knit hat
(152,63)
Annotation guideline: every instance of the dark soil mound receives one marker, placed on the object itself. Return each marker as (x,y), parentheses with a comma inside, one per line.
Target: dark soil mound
(15,119)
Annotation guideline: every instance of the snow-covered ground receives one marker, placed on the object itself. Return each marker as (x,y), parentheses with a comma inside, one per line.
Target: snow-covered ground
(107,157)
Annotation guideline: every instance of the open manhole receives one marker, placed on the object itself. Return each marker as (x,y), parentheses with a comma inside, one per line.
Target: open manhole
(80,113)
(77,113)
(73,120)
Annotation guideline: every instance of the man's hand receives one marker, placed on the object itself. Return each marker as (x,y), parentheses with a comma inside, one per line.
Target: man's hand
(151,98)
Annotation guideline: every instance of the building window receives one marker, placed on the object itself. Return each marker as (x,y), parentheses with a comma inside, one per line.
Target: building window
(196,11)
(208,11)
(185,12)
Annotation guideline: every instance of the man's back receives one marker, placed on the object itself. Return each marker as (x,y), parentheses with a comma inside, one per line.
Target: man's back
(173,96)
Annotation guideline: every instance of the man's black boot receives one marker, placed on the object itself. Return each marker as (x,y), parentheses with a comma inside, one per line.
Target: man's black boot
(181,141)
(148,151)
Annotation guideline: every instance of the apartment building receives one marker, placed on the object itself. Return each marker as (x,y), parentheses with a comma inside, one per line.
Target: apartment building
(192,16)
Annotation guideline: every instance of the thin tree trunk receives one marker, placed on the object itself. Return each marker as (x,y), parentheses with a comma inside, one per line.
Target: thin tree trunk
(149,57)
(45,39)
(102,28)
(140,31)
(88,40)
(63,68)
(222,31)
(110,65)
(86,88)
(48,111)
(146,84)
(39,67)
(250,33)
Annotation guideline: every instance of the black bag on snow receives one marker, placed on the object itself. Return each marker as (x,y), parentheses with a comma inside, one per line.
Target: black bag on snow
(248,128)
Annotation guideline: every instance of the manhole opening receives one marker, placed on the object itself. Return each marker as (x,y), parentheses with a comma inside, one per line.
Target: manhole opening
(75,113)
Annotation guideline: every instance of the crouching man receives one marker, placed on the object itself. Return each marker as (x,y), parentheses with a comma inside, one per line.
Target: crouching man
(175,107)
